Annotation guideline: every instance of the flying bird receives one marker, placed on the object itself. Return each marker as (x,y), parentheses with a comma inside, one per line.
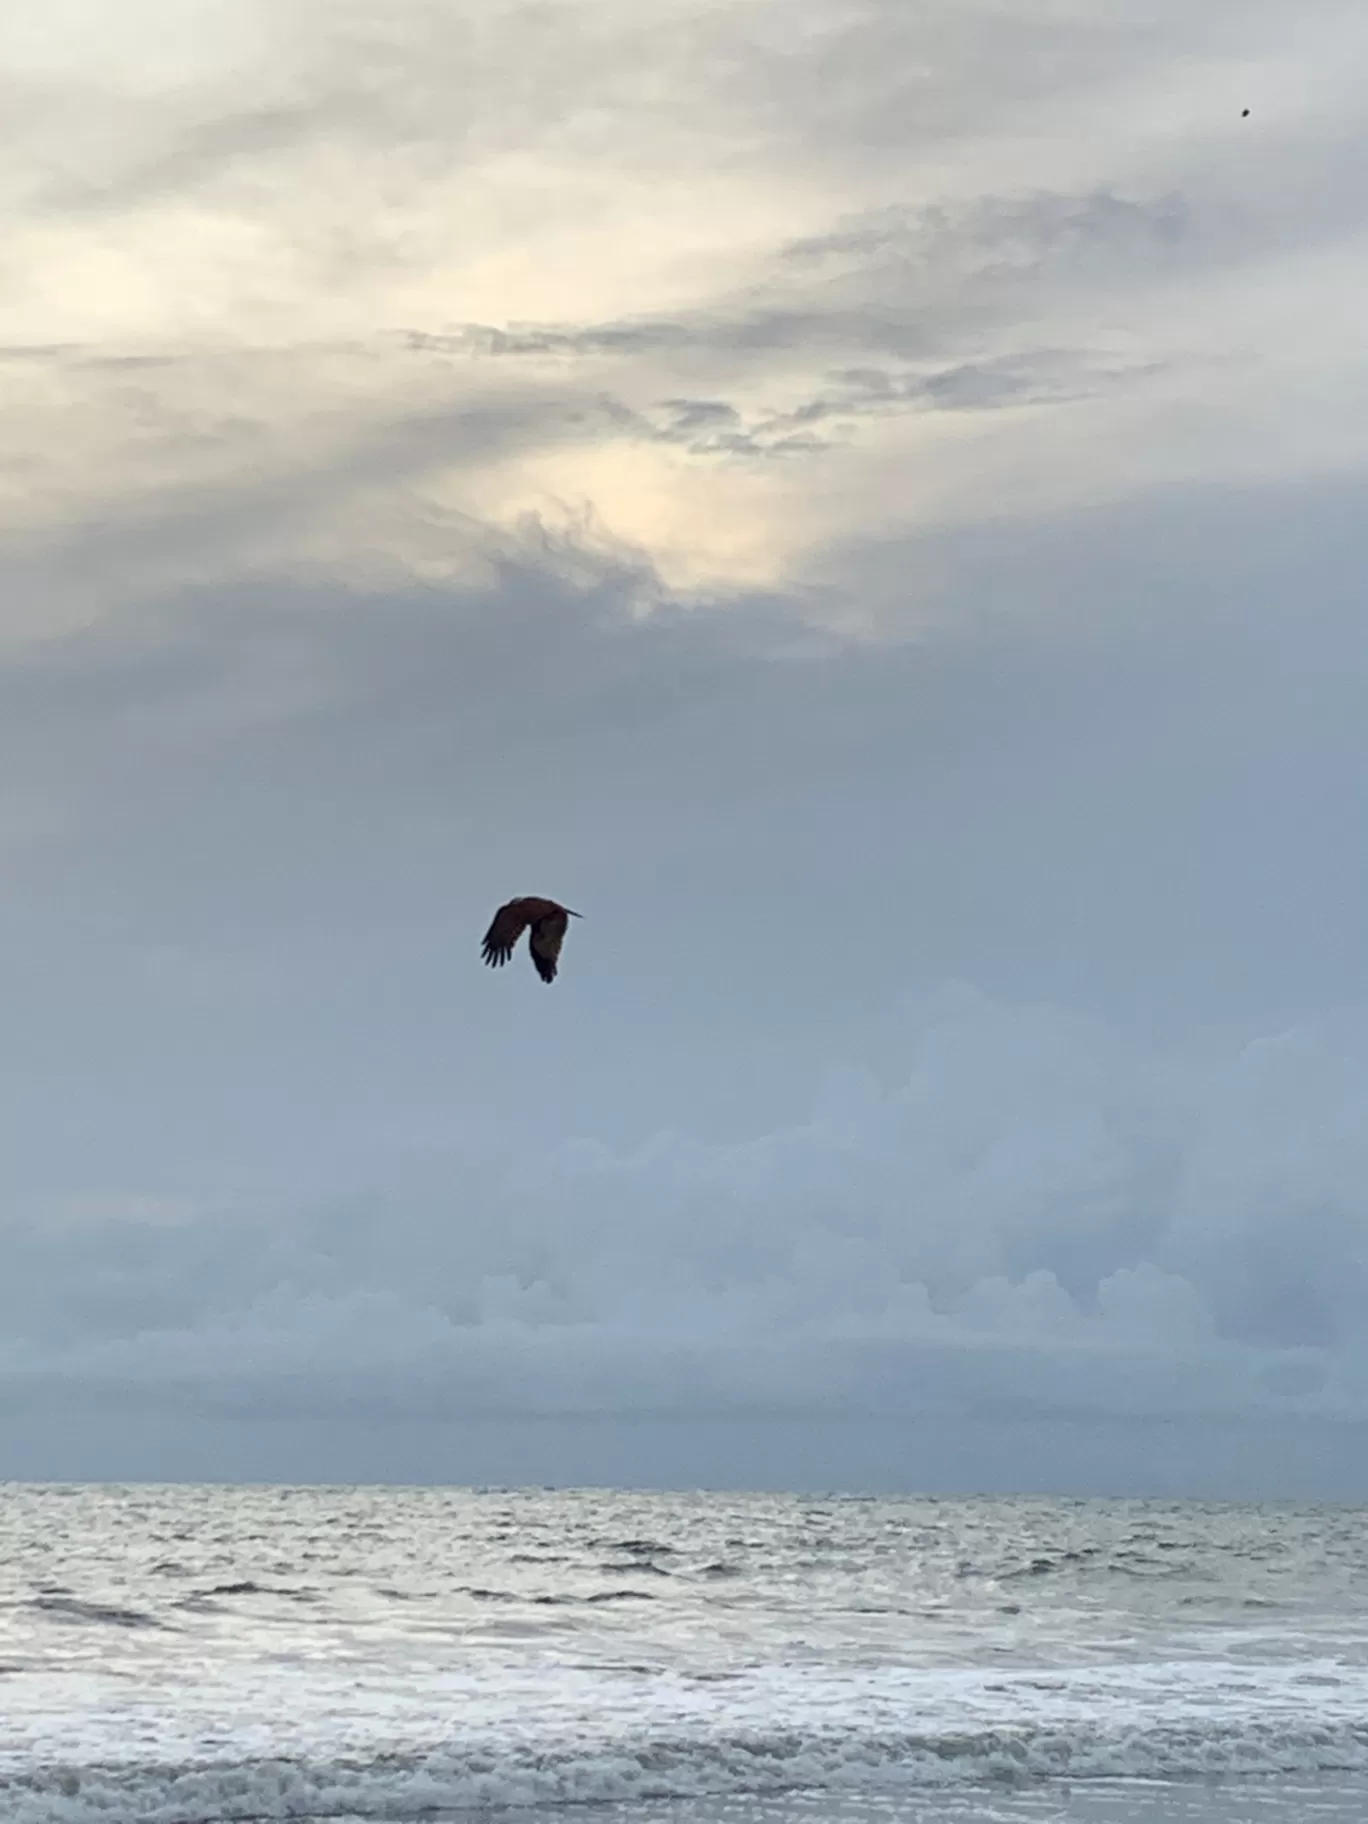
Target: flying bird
(547,921)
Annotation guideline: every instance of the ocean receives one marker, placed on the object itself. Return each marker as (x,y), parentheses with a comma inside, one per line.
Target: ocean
(191,1655)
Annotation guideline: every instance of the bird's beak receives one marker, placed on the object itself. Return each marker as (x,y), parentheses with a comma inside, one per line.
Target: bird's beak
(575,914)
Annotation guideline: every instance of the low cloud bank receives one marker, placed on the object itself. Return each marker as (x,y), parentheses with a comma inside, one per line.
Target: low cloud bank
(1015,1218)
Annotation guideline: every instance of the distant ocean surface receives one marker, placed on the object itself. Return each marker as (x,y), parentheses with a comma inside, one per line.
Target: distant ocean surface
(187,1655)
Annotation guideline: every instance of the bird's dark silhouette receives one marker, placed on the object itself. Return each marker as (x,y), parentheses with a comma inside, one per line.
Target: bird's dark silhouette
(543,919)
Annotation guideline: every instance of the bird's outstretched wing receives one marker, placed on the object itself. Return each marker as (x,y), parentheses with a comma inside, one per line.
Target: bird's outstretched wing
(509,923)
(548,933)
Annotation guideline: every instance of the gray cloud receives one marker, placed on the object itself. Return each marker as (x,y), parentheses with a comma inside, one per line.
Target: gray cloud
(991,1207)
(995,238)
(895,281)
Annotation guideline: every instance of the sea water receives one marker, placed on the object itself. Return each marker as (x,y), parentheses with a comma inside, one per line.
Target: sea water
(184,1655)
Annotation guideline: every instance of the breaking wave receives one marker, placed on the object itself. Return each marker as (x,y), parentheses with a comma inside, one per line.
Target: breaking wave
(450,1779)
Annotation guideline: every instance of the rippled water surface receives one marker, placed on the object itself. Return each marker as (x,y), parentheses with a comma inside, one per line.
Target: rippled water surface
(198,1654)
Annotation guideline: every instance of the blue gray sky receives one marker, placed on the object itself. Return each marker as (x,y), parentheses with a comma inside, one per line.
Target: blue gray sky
(865,503)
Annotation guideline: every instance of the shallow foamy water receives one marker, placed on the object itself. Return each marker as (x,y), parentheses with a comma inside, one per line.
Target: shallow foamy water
(189,1655)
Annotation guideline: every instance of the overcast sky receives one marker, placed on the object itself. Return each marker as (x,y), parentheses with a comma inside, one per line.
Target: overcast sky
(865,502)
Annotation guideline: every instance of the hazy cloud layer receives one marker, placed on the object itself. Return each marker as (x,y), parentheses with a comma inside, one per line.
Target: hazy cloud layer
(855,499)
(1019,1221)
(320,291)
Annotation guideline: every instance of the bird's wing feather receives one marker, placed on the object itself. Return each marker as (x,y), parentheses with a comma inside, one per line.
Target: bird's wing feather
(548,933)
(510,921)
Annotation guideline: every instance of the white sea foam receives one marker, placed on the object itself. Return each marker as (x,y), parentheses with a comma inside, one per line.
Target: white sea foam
(405,1785)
